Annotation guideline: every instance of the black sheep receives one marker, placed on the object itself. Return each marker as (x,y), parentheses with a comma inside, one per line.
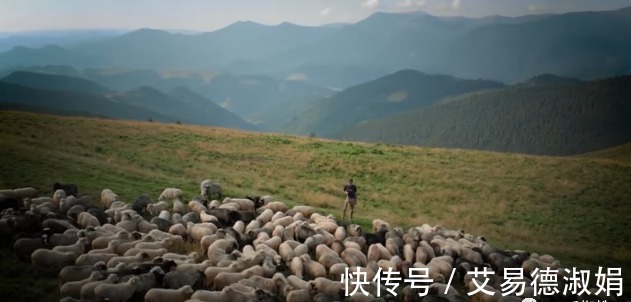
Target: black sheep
(141,202)
(9,202)
(226,217)
(379,237)
(256,200)
(70,189)
(163,224)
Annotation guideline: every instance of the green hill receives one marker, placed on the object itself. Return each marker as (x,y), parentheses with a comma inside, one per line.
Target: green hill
(75,95)
(55,82)
(398,92)
(14,96)
(573,208)
(554,120)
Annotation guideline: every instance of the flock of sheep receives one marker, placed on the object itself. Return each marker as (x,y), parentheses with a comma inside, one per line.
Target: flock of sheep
(243,249)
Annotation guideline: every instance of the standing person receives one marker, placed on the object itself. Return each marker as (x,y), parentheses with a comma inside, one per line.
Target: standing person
(351,198)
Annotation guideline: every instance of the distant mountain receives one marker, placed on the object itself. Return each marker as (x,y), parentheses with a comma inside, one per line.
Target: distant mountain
(46,55)
(36,39)
(54,82)
(211,111)
(249,96)
(398,92)
(548,79)
(14,96)
(192,109)
(553,120)
(47,90)
(585,45)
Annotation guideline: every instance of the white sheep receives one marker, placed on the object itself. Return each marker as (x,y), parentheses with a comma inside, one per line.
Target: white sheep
(108,197)
(58,196)
(52,259)
(73,288)
(170,194)
(117,292)
(169,295)
(86,219)
(28,192)
(178,207)
(208,188)
(155,208)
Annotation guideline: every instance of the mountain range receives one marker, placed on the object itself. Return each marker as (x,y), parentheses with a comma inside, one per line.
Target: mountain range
(552,84)
(544,118)
(588,45)
(66,94)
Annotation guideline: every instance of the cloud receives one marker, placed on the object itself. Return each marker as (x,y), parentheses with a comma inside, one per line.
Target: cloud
(325,12)
(297,77)
(537,8)
(412,4)
(370,4)
(455,4)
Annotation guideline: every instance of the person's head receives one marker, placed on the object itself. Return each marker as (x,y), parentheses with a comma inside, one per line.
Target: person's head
(350,181)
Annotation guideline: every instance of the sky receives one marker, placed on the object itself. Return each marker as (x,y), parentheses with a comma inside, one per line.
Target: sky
(209,15)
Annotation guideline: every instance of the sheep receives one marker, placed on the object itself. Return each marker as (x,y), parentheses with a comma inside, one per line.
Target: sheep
(86,219)
(325,286)
(24,247)
(313,269)
(170,194)
(243,204)
(87,290)
(165,214)
(58,195)
(223,279)
(155,208)
(67,203)
(141,203)
(73,288)
(79,272)
(152,278)
(298,295)
(116,292)
(178,207)
(275,285)
(108,197)
(77,248)
(275,206)
(227,294)
(28,192)
(380,225)
(153,253)
(177,279)
(37,201)
(69,189)
(127,259)
(306,211)
(208,188)
(169,295)
(52,259)
(91,259)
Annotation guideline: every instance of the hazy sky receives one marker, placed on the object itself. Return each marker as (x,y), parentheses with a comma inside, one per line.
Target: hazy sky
(206,15)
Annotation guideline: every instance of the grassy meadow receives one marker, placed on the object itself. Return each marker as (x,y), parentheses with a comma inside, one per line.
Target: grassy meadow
(574,208)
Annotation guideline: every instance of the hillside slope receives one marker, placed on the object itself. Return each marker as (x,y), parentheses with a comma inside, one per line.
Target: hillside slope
(516,201)
(54,82)
(398,92)
(14,96)
(180,104)
(554,120)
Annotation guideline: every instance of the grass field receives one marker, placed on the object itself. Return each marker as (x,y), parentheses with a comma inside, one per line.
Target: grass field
(575,208)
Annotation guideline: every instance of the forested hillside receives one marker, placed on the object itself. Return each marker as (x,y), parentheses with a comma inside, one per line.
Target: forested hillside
(554,120)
